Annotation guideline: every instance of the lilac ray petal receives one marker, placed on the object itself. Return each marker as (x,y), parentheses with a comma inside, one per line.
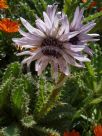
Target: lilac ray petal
(68,36)
(47,21)
(27,46)
(56,23)
(65,23)
(27,25)
(41,64)
(78,56)
(54,71)
(23,33)
(79,20)
(86,38)
(25,53)
(72,34)
(38,54)
(25,41)
(65,27)
(51,12)
(41,25)
(76,14)
(69,59)
(31,29)
(75,48)
(83,59)
(64,67)
(88,51)
(26,60)
(86,28)
(29,36)
(63,37)
(94,35)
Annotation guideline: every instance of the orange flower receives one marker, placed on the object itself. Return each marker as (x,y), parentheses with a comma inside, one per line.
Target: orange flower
(100,9)
(98,130)
(9,26)
(93,4)
(3,4)
(84,1)
(73,133)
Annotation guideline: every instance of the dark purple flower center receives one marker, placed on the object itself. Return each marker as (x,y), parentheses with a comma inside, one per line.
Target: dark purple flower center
(74,40)
(48,47)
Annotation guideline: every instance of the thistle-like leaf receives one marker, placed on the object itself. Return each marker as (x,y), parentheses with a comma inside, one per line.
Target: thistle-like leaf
(10,131)
(28,121)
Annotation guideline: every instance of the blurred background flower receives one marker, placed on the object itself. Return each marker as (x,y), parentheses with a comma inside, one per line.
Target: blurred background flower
(72,133)
(98,130)
(9,26)
(3,4)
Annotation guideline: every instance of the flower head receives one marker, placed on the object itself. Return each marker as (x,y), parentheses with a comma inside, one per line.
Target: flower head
(73,133)
(92,5)
(82,38)
(50,43)
(84,1)
(3,4)
(9,26)
(98,130)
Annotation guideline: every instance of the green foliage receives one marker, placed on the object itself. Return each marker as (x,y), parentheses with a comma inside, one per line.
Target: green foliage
(31,105)
(43,94)
(17,94)
(28,121)
(92,17)
(10,131)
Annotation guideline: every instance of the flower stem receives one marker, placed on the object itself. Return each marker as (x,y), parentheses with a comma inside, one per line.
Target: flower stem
(52,98)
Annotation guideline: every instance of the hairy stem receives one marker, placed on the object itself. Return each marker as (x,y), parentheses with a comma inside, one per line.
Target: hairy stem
(52,98)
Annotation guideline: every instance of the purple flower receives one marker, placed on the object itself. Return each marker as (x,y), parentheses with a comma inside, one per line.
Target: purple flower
(83,37)
(51,42)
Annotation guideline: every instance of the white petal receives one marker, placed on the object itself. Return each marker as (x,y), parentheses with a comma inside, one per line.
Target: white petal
(26,60)
(65,25)
(54,70)
(47,21)
(72,34)
(27,46)
(79,20)
(86,28)
(94,35)
(76,14)
(23,33)
(51,11)
(64,66)
(88,51)
(71,60)
(75,48)
(27,25)
(82,59)
(26,41)
(25,53)
(41,64)
(41,25)
(31,29)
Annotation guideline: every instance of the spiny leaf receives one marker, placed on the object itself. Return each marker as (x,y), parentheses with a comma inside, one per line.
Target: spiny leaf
(92,17)
(11,131)
(28,121)
(5,89)
(44,90)
(46,131)
(20,100)
(13,69)
(96,100)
